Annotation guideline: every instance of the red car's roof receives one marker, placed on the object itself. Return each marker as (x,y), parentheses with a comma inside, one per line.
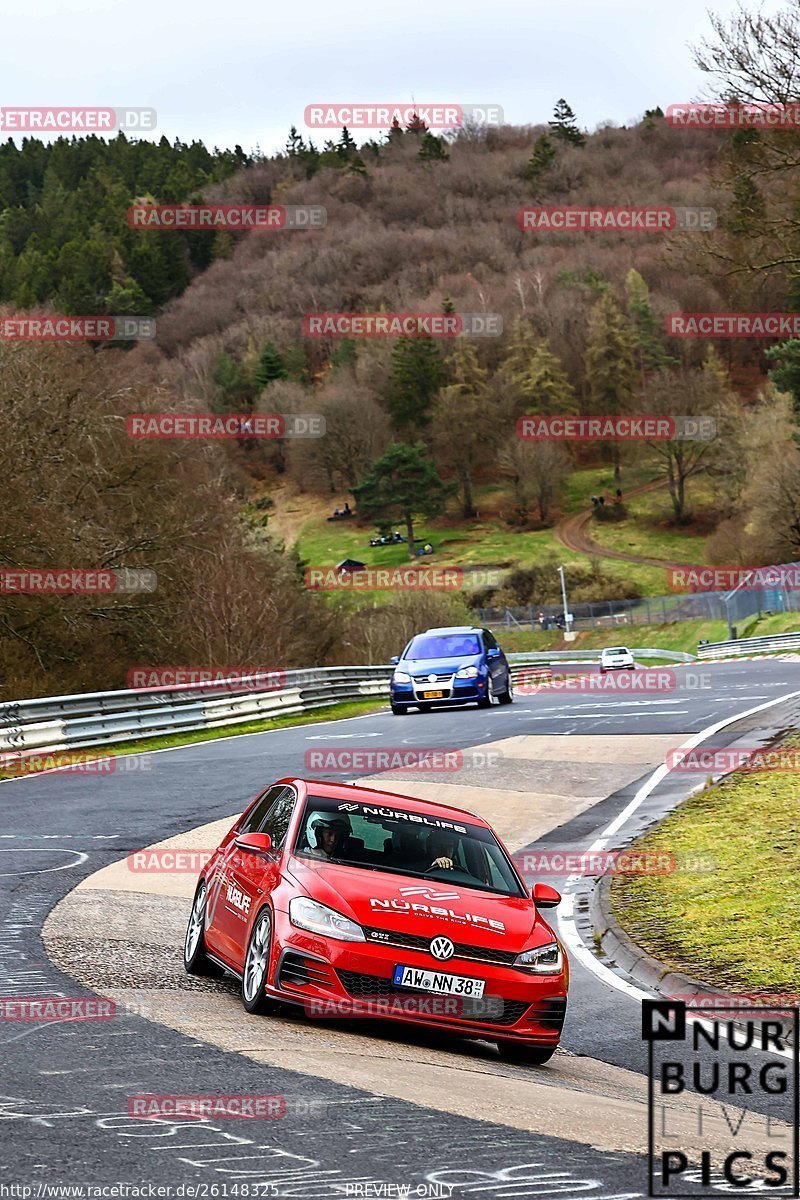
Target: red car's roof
(350,791)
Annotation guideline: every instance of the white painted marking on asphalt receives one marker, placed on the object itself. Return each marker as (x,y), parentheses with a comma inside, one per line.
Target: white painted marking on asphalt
(338,737)
(695,740)
(79,855)
(566,913)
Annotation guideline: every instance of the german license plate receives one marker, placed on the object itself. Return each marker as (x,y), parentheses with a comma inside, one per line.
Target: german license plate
(434,981)
(432,695)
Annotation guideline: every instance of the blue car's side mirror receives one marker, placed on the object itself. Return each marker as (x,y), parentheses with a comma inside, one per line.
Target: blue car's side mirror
(492,653)
(395,659)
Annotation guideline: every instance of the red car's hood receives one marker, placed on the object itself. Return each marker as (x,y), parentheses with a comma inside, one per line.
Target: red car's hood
(408,904)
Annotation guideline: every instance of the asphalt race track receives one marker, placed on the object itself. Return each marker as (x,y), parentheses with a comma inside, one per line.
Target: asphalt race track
(65,1086)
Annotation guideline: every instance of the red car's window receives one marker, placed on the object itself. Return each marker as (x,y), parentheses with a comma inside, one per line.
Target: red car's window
(383,838)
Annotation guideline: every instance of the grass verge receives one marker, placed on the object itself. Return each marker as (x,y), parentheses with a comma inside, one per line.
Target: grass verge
(732,927)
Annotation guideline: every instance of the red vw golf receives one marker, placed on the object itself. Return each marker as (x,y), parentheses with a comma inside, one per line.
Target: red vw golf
(348,900)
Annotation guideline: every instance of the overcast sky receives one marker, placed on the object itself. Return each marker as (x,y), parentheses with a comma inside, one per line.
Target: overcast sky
(244,70)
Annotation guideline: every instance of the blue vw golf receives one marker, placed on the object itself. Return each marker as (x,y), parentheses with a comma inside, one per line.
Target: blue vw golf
(458,665)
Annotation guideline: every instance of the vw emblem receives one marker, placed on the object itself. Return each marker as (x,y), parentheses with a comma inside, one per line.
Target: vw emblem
(431,679)
(442,948)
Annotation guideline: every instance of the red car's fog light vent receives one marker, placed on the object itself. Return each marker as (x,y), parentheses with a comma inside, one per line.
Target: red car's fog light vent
(549,1014)
(299,971)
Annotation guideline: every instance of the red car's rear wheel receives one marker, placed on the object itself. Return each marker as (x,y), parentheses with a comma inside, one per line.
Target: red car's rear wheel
(195,959)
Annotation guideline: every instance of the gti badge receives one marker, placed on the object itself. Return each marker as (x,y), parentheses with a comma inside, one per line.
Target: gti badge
(442,948)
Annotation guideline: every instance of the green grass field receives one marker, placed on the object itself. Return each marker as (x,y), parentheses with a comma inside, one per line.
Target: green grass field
(732,927)
(679,635)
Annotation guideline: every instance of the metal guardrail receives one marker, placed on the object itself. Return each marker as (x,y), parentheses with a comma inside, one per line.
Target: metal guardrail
(594,655)
(778,641)
(55,724)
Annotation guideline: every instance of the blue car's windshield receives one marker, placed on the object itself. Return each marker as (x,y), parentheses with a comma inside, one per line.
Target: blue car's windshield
(450,645)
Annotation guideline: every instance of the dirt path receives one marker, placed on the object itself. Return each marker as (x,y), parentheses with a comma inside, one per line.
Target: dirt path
(572,533)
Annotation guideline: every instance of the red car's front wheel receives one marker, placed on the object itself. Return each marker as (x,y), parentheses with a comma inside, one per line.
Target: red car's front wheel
(533,1056)
(256,965)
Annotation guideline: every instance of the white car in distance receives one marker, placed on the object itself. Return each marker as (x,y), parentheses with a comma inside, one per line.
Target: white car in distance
(616,658)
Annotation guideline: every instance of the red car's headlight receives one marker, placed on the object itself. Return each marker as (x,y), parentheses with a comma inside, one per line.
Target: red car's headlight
(318,918)
(542,960)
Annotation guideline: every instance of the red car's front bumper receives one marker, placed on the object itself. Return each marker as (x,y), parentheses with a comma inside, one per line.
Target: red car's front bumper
(333,979)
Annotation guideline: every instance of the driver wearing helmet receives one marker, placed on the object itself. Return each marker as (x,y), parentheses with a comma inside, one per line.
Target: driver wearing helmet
(331,832)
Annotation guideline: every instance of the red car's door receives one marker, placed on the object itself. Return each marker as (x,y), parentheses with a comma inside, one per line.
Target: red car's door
(228,913)
(252,875)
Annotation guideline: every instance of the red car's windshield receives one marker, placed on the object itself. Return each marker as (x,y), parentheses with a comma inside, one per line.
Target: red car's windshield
(380,837)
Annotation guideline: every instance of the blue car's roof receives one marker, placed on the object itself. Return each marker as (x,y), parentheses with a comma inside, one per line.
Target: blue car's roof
(452,629)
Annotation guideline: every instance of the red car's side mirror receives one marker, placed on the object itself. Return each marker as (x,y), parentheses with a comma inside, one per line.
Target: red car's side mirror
(254,843)
(545,896)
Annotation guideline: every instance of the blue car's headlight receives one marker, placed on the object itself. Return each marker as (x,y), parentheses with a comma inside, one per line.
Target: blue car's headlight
(401,677)
(467,673)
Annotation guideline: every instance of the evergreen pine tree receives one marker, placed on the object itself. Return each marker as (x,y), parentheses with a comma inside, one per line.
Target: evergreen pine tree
(564,125)
(541,160)
(416,375)
(270,366)
(610,363)
(433,149)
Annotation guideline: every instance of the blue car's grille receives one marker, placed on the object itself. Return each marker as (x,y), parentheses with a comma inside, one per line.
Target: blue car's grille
(441,677)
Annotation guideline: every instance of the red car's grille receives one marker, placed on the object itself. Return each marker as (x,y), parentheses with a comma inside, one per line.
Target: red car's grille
(411,941)
(363,987)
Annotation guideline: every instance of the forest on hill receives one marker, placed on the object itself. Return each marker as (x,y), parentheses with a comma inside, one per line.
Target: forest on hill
(415,223)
